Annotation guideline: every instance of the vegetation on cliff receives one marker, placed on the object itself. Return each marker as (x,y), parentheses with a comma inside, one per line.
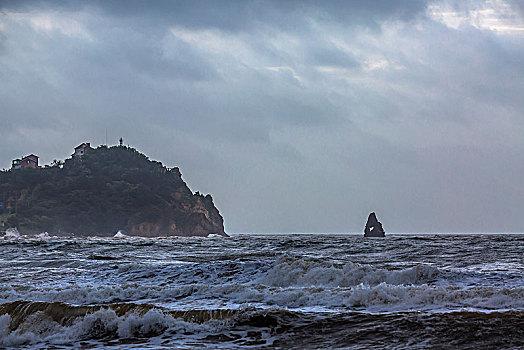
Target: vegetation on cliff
(105,190)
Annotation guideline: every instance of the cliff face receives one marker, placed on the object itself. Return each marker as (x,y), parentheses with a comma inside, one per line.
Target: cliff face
(106,190)
(198,218)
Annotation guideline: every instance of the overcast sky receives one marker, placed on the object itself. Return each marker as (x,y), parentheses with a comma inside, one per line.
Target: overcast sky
(297,116)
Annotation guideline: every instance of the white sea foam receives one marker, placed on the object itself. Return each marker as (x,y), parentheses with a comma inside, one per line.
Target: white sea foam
(307,272)
(120,234)
(381,297)
(104,323)
(334,276)
(284,282)
(12,233)
(43,235)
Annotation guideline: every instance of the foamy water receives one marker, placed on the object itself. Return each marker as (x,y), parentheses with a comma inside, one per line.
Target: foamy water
(247,291)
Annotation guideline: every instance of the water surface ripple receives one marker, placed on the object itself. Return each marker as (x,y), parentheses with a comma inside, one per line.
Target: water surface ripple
(256,291)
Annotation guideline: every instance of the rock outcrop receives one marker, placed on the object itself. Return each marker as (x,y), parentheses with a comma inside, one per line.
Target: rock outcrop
(199,217)
(373,227)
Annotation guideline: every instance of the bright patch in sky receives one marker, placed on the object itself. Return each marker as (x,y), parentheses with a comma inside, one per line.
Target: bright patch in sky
(50,22)
(494,15)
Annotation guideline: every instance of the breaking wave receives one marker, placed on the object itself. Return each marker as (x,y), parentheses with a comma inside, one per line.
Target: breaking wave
(11,233)
(282,292)
(25,322)
(289,271)
(33,323)
(120,234)
(286,282)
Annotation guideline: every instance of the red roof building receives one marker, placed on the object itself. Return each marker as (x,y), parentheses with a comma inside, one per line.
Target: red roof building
(30,161)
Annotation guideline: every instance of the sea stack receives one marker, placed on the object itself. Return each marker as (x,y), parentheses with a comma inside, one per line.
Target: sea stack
(373,227)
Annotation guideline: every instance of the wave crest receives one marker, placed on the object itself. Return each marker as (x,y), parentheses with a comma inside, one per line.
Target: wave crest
(25,322)
(289,271)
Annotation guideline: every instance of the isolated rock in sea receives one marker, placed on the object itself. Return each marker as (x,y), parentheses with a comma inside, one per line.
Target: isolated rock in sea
(373,227)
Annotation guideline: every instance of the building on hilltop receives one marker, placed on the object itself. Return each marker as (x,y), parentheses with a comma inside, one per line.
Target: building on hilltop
(82,149)
(17,164)
(30,161)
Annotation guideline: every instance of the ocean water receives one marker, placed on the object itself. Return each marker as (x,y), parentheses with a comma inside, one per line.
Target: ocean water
(263,291)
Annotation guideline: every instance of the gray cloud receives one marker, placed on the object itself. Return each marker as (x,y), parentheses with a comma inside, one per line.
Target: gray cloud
(239,15)
(296,116)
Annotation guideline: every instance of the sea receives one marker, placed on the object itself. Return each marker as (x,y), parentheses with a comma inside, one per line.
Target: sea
(254,291)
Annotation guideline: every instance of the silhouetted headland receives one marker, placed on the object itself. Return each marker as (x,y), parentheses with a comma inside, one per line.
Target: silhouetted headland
(99,191)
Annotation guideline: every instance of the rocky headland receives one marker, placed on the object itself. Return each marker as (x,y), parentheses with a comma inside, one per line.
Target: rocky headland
(104,190)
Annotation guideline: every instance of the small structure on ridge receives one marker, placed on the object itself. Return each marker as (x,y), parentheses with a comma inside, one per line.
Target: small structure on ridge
(82,149)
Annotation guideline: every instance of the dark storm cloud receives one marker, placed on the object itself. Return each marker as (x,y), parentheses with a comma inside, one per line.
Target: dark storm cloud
(140,53)
(240,15)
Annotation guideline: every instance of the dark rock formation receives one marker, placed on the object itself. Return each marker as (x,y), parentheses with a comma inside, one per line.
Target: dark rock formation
(195,217)
(104,191)
(373,227)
